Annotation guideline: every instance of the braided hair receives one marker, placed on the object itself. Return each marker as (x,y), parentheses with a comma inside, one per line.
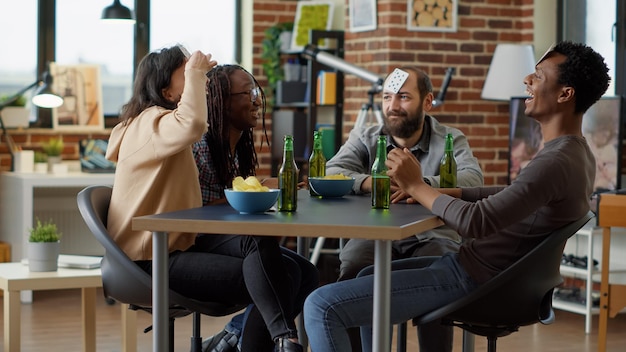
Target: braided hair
(219,119)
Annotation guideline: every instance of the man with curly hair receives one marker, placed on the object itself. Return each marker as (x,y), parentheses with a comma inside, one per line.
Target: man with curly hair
(501,224)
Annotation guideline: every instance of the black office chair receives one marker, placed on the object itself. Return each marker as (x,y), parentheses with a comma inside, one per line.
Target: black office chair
(126,282)
(520,295)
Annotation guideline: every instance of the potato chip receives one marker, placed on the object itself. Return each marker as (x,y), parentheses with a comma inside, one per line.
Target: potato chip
(250,184)
(337,177)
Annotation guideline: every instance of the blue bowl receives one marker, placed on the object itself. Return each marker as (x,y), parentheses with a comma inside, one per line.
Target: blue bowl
(329,188)
(251,202)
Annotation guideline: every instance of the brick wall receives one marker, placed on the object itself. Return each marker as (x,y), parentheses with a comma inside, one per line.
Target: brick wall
(481,25)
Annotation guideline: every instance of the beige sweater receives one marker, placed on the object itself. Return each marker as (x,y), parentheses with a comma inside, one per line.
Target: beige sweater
(156,171)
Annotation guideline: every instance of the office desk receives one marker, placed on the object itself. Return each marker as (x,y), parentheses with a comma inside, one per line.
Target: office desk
(18,198)
(611,213)
(20,192)
(347,217)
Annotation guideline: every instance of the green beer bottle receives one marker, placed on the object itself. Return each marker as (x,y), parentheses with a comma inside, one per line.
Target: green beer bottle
(288,178)
(447,166)
(381,184)
(317,161)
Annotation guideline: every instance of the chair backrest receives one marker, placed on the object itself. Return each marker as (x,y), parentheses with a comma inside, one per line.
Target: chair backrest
(521,294)
(122,279)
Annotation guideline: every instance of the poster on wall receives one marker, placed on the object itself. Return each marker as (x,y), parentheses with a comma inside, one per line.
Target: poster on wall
(80,87)
(432,15)
(362,15)
(601,128)
(310,15)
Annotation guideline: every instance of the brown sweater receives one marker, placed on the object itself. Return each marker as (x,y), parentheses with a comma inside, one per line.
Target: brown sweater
(156,171)
(506,223)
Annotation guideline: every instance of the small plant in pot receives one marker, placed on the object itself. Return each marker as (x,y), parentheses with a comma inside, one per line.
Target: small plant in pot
(53,149)
(15,113)
(44,246)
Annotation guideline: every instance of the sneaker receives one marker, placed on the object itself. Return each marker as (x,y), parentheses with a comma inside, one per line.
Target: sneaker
(223,341)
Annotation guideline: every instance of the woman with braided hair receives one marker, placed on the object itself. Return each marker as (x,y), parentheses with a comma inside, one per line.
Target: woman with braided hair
(277,279)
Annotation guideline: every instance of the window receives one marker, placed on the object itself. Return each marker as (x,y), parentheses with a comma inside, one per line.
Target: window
(18,62)
(593,23)
(81,38)
(198,25)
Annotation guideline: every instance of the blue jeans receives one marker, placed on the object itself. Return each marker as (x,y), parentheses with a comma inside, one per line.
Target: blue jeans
(418,285)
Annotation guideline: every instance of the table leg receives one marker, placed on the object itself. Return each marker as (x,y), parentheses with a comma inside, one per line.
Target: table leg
(129,329)
(89,318)
(302,244)
(160,285)
(604,289)
(12,323)
(382,285)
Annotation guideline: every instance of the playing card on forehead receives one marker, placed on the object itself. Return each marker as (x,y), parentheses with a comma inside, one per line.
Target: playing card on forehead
(550,49)
(395,80)
(184,50)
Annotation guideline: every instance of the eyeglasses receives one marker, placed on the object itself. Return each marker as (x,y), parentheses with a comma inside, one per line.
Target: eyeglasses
(254,93)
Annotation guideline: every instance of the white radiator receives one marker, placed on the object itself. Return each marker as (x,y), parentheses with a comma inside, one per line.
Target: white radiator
(62,209)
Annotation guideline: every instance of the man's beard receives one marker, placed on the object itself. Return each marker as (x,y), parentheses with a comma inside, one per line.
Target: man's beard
(405,126)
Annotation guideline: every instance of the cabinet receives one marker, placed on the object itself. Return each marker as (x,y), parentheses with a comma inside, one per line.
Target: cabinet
(587,274)
(301,118)
(582,244)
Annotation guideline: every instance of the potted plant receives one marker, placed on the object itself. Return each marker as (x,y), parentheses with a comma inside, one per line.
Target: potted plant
(44,246)
(53,149)
(16,113)
(275,37)
(41,162)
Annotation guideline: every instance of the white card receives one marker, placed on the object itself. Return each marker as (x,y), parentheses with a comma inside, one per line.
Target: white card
(550,49)
(184,50)
(395,80)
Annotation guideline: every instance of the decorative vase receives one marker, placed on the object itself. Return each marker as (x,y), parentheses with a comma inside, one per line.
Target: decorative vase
(53,160)
(43,256)
(15,116)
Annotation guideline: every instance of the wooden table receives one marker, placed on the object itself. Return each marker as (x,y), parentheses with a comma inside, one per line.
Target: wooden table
(611,213)
(347,217)
(15,277)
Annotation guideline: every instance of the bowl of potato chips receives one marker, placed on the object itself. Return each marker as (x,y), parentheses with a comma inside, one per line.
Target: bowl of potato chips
(249,196)
(331,186)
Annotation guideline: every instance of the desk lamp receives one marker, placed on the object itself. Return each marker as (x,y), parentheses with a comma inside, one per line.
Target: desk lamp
(43,97)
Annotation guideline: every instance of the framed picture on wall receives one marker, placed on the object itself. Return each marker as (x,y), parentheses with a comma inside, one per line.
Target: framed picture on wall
(310,15)
(601,128)
(81,89)
(362,15)
(432,16)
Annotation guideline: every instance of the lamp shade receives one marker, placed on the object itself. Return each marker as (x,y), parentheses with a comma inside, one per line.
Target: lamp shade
(118,12)
(44,97)
(509,65)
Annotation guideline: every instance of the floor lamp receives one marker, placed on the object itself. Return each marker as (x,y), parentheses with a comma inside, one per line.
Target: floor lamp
(509,65)
(43,97)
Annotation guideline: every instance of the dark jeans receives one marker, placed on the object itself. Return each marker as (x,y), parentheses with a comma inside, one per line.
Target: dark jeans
(245,269)
(358,254)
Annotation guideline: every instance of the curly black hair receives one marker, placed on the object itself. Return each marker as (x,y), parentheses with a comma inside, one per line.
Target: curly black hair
(585,71)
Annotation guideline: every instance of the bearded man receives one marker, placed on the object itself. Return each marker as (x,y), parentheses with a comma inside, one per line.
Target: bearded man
(407,97)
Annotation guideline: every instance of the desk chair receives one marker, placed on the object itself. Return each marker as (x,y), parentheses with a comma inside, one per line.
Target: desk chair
(127,283)
(520,295)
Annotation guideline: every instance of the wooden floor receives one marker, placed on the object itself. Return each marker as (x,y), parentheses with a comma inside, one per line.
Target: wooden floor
(52,323)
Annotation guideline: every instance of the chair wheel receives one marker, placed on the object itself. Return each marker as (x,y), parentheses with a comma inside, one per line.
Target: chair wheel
(109,301)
